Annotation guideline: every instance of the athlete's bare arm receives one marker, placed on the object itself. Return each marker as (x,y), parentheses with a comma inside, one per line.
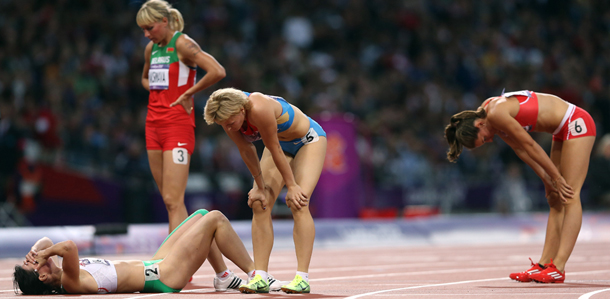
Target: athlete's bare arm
(191,54)
(146,65)
(263,117)
(500,119)
(70,279)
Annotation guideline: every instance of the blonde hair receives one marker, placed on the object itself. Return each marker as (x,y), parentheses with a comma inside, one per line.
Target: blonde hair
(461,132)
(225,103)
(153,11)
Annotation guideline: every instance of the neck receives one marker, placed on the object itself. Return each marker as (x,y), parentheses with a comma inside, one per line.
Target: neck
(167,38)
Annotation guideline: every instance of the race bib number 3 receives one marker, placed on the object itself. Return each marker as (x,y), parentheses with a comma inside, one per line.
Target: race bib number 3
(180,155)
(577,127)
(158,76)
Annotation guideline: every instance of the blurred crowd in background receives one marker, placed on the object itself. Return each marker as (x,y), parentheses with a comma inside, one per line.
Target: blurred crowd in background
(71,94)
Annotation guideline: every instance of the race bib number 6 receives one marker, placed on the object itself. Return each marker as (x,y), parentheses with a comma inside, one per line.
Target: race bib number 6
(577,127)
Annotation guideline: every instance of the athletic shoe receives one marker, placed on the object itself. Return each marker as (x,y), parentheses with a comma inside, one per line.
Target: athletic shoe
(525,276)
(549,275)
(255,285)
(231,282)
(274,284)
(296,286)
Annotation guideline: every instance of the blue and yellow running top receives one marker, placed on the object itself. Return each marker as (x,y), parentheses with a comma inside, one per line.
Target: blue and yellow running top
(284,121)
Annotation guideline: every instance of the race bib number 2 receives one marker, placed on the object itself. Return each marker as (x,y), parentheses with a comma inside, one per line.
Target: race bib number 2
(158,76)
(577,127)
(151,272)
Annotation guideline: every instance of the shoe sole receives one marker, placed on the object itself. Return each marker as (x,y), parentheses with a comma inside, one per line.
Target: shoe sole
(540,281)
(289,291)
(250,291)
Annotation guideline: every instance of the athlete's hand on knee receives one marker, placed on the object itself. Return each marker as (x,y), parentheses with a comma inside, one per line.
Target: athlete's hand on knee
(296,197)
(185,101)
(565,191)
(257,194)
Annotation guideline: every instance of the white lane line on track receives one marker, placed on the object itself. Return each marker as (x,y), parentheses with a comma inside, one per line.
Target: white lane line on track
(159,294)
(426,286)
(455,283)
(588,295)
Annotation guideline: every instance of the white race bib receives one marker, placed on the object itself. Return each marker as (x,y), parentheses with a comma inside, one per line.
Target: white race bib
(151,272)
(158,76)
(310,137)
(577,127)
(180,155)
(525,93)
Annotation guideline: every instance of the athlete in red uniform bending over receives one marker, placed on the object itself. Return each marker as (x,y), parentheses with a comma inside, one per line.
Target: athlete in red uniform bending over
(511,116)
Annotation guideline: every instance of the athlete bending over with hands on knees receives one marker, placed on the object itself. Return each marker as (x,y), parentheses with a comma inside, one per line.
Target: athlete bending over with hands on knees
(511,116)
(295,148)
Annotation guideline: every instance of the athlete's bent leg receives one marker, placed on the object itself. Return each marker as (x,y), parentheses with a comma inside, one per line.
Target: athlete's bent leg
(192,248)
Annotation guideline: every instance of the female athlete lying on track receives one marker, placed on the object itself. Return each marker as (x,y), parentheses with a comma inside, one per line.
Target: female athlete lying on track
(169,270)
(511,116)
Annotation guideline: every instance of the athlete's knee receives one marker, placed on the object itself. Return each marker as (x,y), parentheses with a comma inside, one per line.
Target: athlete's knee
(574,200)
(216,217)
(201,212)
(553,200)
(173,203)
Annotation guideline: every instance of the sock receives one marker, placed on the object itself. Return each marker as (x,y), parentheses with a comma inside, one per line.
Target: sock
(224,274)
(305,275)
(263,274)
(251,274)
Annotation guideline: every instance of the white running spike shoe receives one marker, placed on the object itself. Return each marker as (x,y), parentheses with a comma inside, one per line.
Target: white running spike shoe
(232,282)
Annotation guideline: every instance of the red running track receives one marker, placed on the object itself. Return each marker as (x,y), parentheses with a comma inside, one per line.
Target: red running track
(405,272)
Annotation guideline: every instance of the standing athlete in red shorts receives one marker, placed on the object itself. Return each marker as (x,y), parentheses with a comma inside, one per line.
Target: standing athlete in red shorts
(171,61)
(511,116)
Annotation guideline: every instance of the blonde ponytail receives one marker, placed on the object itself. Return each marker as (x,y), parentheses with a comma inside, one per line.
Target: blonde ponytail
(176,22)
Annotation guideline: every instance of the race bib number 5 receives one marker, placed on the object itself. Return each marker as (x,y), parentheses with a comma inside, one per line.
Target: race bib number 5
(577,127)
(158,76)
(310,137)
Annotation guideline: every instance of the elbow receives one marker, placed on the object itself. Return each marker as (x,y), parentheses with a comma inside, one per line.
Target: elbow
(69,246)
(221,73)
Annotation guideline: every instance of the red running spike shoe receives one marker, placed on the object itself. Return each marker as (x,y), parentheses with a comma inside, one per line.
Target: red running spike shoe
(525,276)
(550,274)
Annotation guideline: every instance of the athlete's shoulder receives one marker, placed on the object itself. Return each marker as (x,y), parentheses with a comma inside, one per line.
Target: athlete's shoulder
(148,48)
(184,38)
(257,95)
